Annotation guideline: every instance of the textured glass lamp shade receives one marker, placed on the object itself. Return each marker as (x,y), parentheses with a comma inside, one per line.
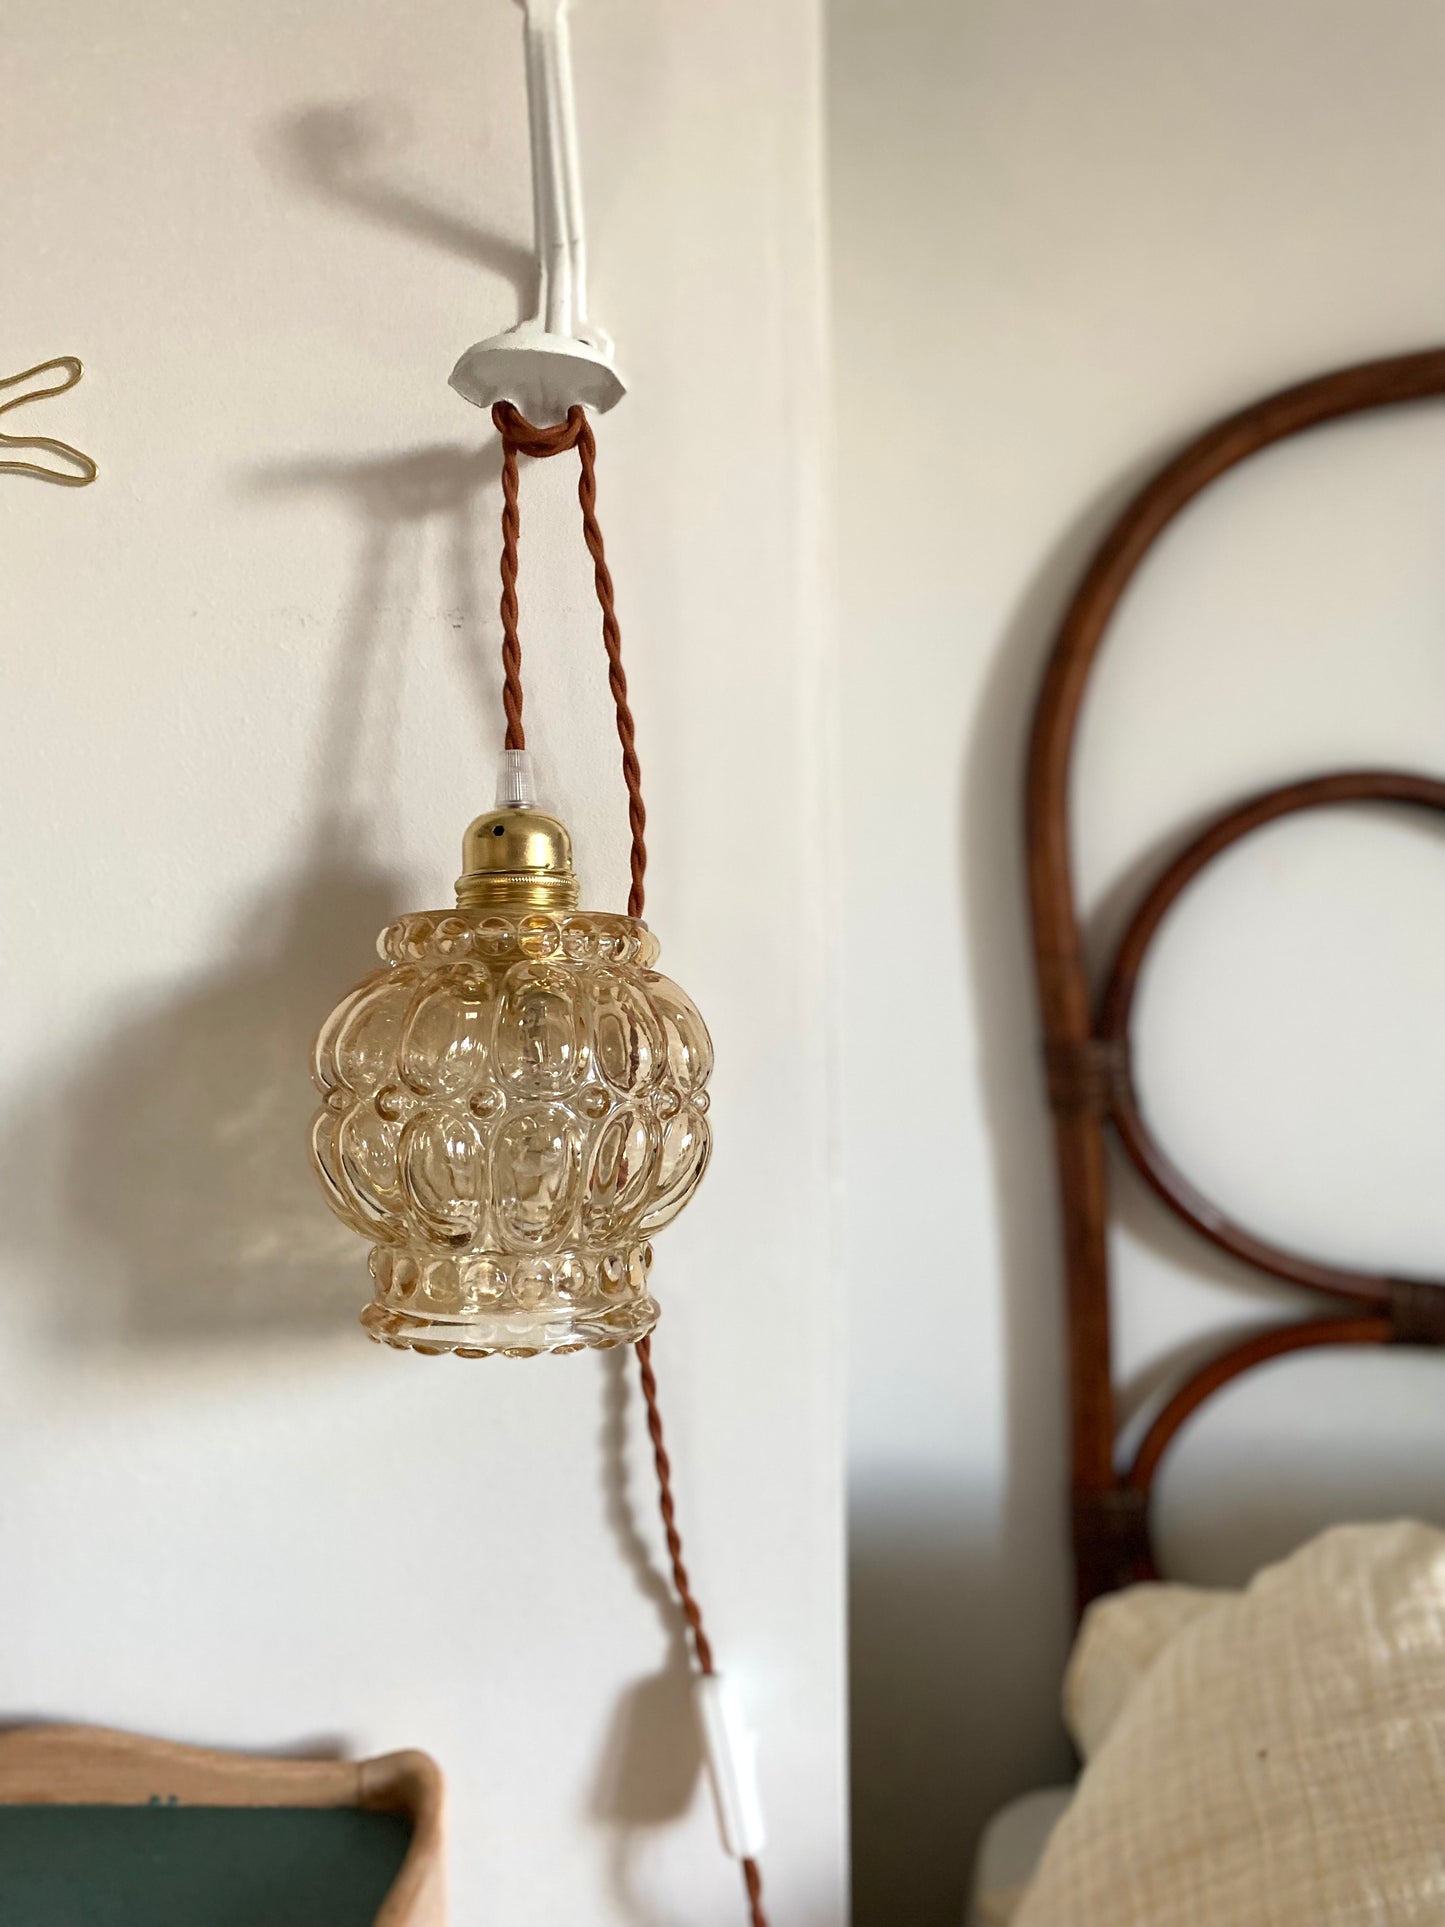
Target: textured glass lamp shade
(512,1105)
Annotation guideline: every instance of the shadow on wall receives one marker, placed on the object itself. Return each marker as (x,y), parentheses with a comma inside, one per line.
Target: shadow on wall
(652,1759)
(333,150)
(959,1602)
(165,1181)
(161,1182)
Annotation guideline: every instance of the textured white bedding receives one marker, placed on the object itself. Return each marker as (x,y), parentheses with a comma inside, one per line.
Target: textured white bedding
(1269,1758)
(1118,1643)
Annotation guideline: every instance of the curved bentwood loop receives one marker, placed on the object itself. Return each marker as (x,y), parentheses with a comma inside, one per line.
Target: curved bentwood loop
(1117,1005)
(1087,1059)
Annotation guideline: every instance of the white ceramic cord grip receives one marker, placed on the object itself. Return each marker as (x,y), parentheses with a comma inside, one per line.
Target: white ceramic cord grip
(557,358)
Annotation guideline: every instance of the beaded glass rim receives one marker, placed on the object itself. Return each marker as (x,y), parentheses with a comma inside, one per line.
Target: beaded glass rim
(578,936)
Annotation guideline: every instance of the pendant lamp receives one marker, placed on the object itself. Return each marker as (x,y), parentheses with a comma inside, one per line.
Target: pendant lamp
(513,1104)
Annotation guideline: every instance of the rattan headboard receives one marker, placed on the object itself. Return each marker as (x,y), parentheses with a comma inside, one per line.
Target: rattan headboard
(1086,1038)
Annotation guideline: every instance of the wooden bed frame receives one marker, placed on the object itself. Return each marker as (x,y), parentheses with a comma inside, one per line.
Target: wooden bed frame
(1086,1040)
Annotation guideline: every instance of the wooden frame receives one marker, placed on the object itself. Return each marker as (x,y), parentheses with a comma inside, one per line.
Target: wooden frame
(1086,1047)
(95,1766)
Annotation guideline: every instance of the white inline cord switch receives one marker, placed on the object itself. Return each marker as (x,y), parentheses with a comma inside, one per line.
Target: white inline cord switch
(516,781)
(732,1766)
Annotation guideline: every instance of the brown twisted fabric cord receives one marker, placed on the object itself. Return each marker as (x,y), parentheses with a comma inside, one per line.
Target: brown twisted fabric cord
(691,1611)
(516,737)
(519,436)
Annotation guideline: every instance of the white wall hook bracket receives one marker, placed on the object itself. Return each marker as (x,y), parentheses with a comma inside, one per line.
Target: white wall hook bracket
(556,358)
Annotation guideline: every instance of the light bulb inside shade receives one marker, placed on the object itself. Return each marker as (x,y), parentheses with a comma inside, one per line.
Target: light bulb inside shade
(511,1107)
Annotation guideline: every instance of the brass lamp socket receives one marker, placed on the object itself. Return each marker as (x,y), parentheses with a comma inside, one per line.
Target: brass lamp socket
(515,859)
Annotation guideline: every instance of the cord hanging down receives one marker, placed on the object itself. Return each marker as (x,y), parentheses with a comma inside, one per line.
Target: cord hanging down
(519,436)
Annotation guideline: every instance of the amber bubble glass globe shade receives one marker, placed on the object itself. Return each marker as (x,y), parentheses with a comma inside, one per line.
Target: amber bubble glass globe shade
(511,1107)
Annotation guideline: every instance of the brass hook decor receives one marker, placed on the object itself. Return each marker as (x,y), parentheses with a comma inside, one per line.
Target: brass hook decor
(70,369)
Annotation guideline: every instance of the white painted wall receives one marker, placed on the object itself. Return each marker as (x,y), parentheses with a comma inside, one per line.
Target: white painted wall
(1064,238)
(251,703)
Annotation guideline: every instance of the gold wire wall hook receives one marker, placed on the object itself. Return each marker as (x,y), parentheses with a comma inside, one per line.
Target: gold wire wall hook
(71,370)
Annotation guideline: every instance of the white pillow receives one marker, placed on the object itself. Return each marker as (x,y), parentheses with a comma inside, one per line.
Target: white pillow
(1279,1762)
(1121,1637)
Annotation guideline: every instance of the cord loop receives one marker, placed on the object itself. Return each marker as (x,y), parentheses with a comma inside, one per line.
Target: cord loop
(519,436)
